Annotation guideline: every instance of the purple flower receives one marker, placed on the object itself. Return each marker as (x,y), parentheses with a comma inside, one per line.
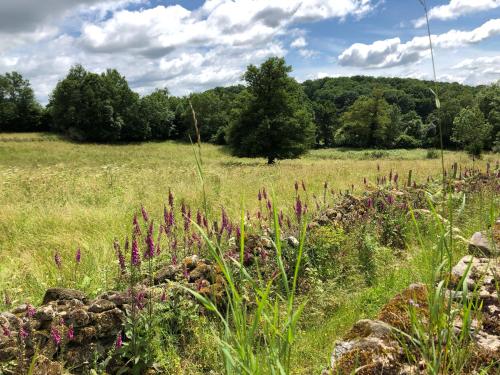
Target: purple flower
(135,259)
(6,331)
(150,243)
(259,196)
(78,256)
(296,186)
(57,260)
(140,300)
(369,203)
(298,209)
(30,311)
(137,227)
(71,332)
(238,235)
(163,297)
(145,215)
(120,256)
(264,193)
(119,341)
(56,336)
(23,333)
(269,205)
(199,218)
(170,199)
(390,199)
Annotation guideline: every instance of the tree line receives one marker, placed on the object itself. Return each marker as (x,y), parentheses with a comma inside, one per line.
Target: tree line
(272,115)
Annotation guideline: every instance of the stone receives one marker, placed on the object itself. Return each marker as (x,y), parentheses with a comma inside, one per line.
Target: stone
(108,323)
(481,245)
(78,317)
(59,294)
(101,305)
(44,366)
(293,242)
(369,348)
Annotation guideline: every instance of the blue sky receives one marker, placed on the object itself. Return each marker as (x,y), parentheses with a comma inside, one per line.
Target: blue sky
(194,45)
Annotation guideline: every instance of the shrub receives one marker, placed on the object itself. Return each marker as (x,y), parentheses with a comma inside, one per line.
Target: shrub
(407,141)
(325,253)
(432,154)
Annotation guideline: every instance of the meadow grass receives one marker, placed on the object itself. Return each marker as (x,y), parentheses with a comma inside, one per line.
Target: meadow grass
(57,195)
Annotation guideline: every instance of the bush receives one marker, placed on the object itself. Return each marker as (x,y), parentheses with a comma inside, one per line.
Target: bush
(406,141)
(325,252)
(432,154)
(377,154)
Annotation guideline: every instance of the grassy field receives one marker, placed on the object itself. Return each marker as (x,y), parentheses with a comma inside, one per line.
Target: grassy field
(57,195)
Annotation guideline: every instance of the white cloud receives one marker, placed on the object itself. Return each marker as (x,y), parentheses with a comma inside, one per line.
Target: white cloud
(391,52)
(299,43)
(184,50)
(457,8)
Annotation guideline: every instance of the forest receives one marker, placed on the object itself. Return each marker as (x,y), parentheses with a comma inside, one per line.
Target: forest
(357,111)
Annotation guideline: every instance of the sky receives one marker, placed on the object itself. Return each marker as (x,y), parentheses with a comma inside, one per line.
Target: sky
(193,45)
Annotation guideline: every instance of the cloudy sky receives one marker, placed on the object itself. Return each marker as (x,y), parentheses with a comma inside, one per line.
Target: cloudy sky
(193,45)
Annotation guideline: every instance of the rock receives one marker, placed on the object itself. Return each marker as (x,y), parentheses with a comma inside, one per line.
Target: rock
(45,313)
(369,348)
(78,318)
(396,311)
(481,245)
(118,298)
(266,242)
(59,294)
(108,323)
(44,366)
(293,242)
(101,305)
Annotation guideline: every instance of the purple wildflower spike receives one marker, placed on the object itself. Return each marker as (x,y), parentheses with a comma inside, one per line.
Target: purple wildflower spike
(259,196)
(145,215)
(120,256)
(30,311)
(57,260)
(137,227)
(71,332)
(140,300)
(298,209)
(150,243)
(56,336)
(296,186)
(23,333)
(6,331)
(78,256)
(199,218)
(264,193)
(170,198)
(135,259)
(119,341)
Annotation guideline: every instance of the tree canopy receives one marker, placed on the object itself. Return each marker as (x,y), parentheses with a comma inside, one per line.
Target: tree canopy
(277,122)
(271,116)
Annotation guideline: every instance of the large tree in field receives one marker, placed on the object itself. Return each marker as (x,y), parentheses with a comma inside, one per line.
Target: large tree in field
(471,130)
(277,122)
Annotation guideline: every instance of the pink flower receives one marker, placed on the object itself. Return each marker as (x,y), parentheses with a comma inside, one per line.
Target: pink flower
(23,333)
(6,331)
(135,259)
(56,336)
(57,260)
(170,198)
(71,332)
(119,341)
(78,256)
(30,311)
(145,215)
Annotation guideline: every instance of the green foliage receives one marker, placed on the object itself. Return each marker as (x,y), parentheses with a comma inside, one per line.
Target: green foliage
(367,123)
(326,253)
(406,141)
(91,107)
(471,131)
(158,114)
(489,103)
(432,154)
(278,122)
(19,111)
